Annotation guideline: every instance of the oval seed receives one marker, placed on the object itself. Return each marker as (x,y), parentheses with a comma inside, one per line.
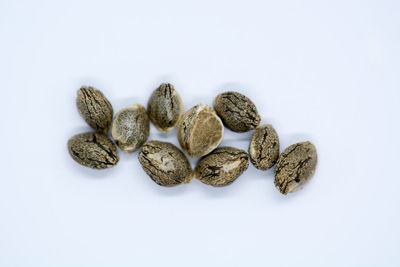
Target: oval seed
(93,150)
(199,131)
(264,147)
(94,108)
(131,127)
(222,166)
(165,107)
(295,166)
(165,163)
(237,111)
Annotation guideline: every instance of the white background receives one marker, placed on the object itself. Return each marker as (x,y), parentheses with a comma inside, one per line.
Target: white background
(324,71)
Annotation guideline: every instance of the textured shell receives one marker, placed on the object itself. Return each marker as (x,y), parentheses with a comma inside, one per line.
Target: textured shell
(165,163)
(222,166)
(264,147)
(295,167)
(94,108)
(165,107)
(93,150)
(200,131)
(131,128)
(237,111)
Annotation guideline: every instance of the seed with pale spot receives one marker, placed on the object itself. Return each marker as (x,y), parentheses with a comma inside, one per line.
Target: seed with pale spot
(222,166)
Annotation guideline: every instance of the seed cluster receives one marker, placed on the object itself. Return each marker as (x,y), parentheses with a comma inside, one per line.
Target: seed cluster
(199,133)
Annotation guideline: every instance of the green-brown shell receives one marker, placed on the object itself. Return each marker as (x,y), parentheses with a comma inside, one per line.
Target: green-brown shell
(222,166)
(165,107)
(131,128)
(200,131)
(237,112)
(93,150)
(94,108)
(295,167)
(165,163)
(264,147)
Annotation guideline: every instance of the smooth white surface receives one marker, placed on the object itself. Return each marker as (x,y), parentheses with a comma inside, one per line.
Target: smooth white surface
(325,71)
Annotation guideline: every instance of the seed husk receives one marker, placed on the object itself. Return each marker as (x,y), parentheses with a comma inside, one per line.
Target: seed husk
(94,108)
(165,107)
(93,150)
(295,167)
(222,166)
(165,163)
(131,127)
(200,131)
(237,112)
(264,147)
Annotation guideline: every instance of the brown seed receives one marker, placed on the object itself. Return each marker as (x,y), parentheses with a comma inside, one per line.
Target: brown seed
(131,127)
(295,167)
(165,107)
(165,163)
(222,166)
(236,111)
(93,150)
(94,108)
(199,131)
(264,147)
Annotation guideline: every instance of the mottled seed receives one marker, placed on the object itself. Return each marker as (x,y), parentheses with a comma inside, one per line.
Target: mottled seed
(295,166)
(165,107)
(199,131)
(165,163)
(93,150)
(95,108)
(131,127)
(236,111)
(264,147)
(222,166)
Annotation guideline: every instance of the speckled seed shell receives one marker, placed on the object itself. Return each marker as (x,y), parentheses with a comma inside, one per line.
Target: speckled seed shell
(295,166)
(94,108)
(264,147)
(165,163)
(93,150)
(222,166)
(165,107)
(236,111)
(131,127)
(200,131)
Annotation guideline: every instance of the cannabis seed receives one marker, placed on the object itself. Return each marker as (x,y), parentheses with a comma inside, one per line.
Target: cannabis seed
(199,131)
(94,108)
(165,107)
(236,111)
(165,163)
(222,166)
(295,166)
(93,150)
(131,127)
(264,147)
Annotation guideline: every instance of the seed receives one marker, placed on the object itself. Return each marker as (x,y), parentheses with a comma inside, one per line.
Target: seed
(94,108)
(131,127)
(236,111)
(200,131)
(295,166)
(222,166)
(165,107)
(165,163)
(93,150)
(264,147)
